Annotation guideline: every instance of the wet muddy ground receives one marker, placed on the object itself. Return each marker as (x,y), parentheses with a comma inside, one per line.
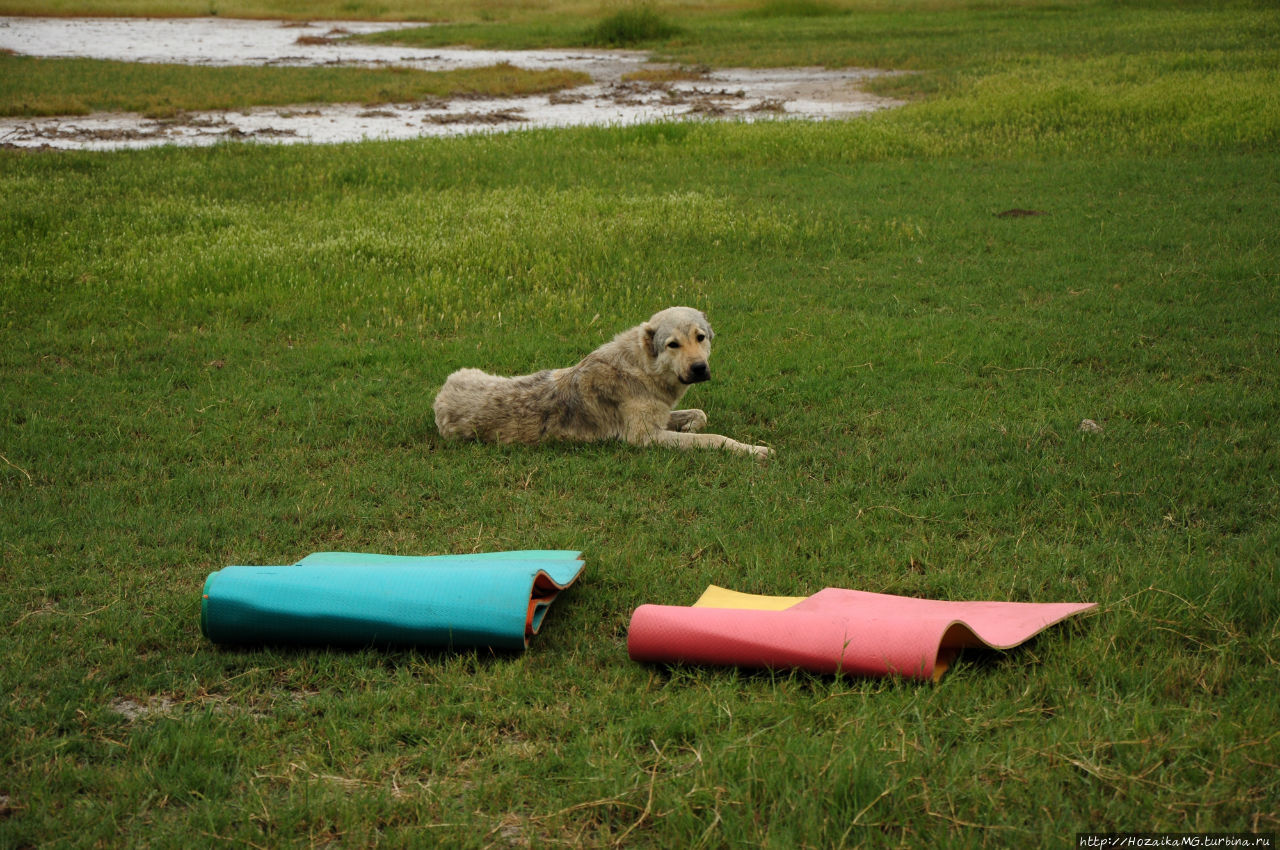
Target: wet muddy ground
(744,94)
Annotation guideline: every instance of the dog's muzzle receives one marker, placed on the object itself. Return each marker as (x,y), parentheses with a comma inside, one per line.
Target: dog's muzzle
(698,373)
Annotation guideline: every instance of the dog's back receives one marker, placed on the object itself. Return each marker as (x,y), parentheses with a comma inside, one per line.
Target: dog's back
(474,404)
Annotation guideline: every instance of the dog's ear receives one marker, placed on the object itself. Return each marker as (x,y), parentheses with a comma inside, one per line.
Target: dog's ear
(704,325)
(650,332)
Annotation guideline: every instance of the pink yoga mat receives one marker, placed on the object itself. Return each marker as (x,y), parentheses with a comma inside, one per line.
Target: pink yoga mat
(840,631)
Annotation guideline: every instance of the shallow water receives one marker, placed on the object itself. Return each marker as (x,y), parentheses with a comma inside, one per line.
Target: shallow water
(744,94)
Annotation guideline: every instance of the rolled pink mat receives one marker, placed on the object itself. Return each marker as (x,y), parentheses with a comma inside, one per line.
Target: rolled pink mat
(839,631)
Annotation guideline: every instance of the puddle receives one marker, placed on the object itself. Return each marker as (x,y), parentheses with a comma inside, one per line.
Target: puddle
(744,94)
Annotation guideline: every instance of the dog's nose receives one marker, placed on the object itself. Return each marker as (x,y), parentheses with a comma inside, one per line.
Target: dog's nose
(699,372)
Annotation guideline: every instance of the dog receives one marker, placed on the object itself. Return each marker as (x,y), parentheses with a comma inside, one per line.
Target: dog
(626,389)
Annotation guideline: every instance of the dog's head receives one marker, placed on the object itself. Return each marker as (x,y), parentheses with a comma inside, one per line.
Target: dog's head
(679,340)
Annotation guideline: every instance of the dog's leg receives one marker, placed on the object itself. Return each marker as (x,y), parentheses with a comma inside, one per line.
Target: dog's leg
(642,428)
(687,420)
(680,440)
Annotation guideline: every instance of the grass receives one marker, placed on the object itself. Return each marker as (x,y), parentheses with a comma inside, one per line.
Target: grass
(30,86)
(228,355)
(1127,76)
(796,8)
(666,74)
(630,27)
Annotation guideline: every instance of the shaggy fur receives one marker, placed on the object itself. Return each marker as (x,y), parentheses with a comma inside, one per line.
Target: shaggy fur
(626,389)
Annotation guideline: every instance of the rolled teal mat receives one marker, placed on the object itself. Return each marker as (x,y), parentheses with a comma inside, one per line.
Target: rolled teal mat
(493,600)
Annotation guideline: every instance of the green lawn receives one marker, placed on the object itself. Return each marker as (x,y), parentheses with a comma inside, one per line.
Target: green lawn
(228,355)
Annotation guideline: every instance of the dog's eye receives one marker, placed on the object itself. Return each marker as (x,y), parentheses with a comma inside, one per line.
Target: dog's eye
(701,337)
(673,344)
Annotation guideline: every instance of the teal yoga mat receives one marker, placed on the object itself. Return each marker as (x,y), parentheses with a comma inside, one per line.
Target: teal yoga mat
(496,600)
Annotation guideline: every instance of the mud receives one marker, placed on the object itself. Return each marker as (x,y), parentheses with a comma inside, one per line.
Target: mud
(611,99)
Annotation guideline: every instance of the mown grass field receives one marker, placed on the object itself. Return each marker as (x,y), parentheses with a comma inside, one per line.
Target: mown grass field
(228,356)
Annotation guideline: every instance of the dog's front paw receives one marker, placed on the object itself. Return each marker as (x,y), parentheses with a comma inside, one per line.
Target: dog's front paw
(761,452)
(687,421)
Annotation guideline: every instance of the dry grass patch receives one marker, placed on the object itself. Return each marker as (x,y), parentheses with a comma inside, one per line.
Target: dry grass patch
(35,87)
(658,76)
